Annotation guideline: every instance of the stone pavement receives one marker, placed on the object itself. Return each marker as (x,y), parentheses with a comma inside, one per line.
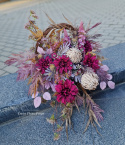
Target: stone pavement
(13,17)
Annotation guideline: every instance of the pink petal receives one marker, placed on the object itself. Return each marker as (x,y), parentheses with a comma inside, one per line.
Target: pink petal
(35,95)
(53,87)
(40,50)
(105,68)
(65,33)
(47,85)
(109,76)
(37,102)
(102,85)
(49,51)
(111,84)
(47,96)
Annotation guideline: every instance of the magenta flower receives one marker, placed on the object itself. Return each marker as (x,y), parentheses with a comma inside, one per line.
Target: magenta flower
(66,91)
(63,64)
(87,46)
(43,64)
(91,61)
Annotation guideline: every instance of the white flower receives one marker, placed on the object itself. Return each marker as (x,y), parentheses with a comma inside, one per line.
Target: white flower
(89,80)
(74,54)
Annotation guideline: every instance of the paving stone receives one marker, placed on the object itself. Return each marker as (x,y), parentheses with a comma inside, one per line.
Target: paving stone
(16,51)
(10,69)
(8,49)
(3,58)
(5,74)
(6,53)
(112,41)
(2,72)
(2,65)
(117,34)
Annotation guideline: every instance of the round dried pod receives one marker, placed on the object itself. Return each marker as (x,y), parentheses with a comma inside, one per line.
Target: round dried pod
(89,80)
(74,54)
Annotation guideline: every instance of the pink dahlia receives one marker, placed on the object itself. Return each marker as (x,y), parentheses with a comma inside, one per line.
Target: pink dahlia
(43,64)
(66,91)
(63,64)
(87,46)
(91,61)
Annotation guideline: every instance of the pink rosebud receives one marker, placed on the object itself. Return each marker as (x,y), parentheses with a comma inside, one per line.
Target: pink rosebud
(37,102)
(104,68)
(47,96)
(111,84)
(102,85)
(109,76)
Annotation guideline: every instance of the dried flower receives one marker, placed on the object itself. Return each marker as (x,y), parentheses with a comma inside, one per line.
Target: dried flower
(81,37)
(56,136)
(91,61)
(63,49)
(74,54)
(63,64)
(51,120)
(89,81)
(43,64)
(66,91)
(87,46)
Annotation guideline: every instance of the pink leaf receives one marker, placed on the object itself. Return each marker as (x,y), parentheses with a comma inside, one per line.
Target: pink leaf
(109,76)
(104,68)
(102,85)
(35,95)
(47,85)
(53,87)
(111,84)
(37,102)
(40,50)
(47,96)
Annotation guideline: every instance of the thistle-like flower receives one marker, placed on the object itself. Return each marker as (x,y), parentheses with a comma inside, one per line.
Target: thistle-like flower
(74,54)
(89,81)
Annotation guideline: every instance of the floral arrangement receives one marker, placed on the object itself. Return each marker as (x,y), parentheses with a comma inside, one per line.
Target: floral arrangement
(62,68)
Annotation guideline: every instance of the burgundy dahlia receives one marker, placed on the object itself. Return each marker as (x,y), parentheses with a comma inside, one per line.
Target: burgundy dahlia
(63,64)
(91,61)
(43,64)
(66,91)
(87,46)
